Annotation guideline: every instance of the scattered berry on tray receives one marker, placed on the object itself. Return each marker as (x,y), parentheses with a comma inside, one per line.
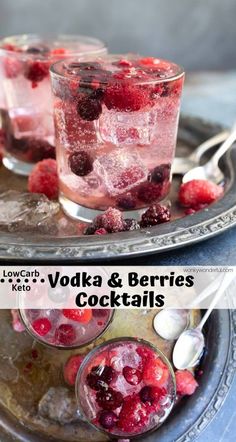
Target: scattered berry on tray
(186,384)
(197,192)
(44,179)
(156,214)
(71,368)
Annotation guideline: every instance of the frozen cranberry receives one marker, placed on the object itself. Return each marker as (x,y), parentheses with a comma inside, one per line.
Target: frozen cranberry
(160,173)
(71,368)
(145,394)
(81,163)
(127,202)
(100,377)
(44,179)
(89,109)
(65,334)
(133,416)
(156,214)
(149,192)
(107,419)
(196,192)
(131,224)
(125,97)
(109,399)
(42,326)
(132,375)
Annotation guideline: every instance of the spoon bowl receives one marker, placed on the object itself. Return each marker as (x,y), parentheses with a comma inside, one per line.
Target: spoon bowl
(170,323)
(188,349)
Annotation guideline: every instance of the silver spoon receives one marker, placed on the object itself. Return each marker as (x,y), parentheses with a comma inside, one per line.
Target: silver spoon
(190,345)
(211,171)
(183,165)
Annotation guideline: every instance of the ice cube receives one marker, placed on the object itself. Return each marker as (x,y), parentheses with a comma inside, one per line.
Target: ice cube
(128,128)
(26,211)
(120,170)
(125,356)
(121,385)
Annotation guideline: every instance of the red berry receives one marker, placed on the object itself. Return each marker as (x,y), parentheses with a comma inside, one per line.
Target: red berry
(133,416)
(71,368)
(101,231)
(44,179)
(197,192)
(107,419)
(38,149)
(78,314)
(17,325)
(65,334)
(132,375)
(109,399)
(89,109)
(36,71)
(100,377)
(149,192)
(160,173)
(156,214)
(155,372)
(125,97)
(111,220)
(42,326)
(81,163)
(185,382)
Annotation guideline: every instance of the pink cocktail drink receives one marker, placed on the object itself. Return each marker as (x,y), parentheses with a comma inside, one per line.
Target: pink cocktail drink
(24,65)
(125,387)
(116,125)
(67,328)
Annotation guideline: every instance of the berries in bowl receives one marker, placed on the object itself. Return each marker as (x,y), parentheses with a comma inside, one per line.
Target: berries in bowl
(125,387)
(66,328)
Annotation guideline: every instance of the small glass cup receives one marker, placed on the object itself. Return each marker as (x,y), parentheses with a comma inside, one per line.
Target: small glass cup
(125,387)
(24,72)
(56,328)
(116,122)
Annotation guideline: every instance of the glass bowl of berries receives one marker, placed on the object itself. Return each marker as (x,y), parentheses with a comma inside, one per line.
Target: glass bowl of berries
(125,387)
(66,328)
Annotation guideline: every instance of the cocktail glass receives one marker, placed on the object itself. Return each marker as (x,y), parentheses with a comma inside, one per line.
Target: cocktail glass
(116,121)
(125,387)
(24,73)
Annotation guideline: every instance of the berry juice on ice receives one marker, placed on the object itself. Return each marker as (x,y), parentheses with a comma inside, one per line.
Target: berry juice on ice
(24,72)
(116,124)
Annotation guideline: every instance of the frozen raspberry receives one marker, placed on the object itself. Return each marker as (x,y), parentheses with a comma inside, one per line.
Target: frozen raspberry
(185,382)
(81,163)
(83,315)
(12,67)
(155,372)
(125,97)
(38,150)
(107,419)
(133,416)
(149,192)
(65,334)
(71,368)
(100,377)
(132,375)
(131,224)
(156,214)
(197,192)
(36,71)
(42,326)
(112,220)
(100,231)
(127,202)
(89,109)
(44,179)
(109,399)
(145,354)
(160,173)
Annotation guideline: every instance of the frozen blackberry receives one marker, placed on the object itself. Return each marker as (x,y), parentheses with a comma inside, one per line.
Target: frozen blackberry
(89,109)
(149,192)
(131,224)
(156,214)
(127,202)
(160,173)
(81,163)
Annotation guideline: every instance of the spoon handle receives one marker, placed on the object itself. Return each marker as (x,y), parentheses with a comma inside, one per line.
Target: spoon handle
(223,148)
(227,279)
(208,144)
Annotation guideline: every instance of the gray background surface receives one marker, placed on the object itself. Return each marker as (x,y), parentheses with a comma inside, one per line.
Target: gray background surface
(198,34)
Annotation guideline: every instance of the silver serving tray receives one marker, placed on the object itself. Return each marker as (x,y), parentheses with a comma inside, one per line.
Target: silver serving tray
(180,232)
